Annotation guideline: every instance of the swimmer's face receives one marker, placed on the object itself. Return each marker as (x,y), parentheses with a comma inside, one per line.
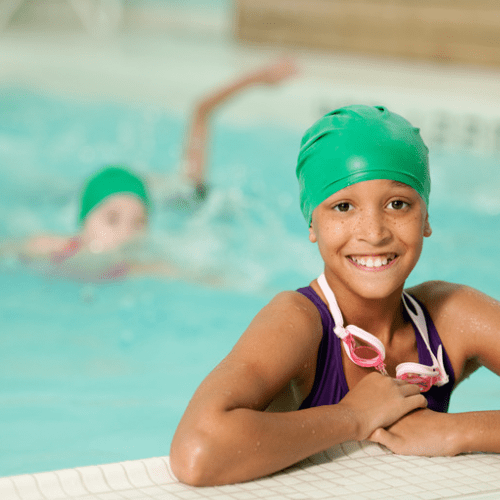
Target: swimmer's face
(118,220)
(370,236)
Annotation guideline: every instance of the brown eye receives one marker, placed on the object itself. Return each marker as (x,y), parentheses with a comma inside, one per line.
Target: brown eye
(398,204)
(343,207)
(113,217)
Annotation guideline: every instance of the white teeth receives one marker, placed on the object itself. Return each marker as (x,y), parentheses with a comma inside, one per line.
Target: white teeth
(372,262)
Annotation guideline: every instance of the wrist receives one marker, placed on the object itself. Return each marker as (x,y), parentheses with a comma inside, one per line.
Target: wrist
(459,434)
(355,423)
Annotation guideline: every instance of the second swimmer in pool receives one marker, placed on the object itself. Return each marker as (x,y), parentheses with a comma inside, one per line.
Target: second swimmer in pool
(354,355)
(115,203)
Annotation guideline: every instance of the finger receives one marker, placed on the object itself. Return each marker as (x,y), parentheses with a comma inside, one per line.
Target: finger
(399,381)
(381,436)
(410,389)
(407,388)
(414,402)
(388,439)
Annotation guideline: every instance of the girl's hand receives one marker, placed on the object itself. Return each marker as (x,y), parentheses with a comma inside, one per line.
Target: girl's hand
(423,432)
(378,401)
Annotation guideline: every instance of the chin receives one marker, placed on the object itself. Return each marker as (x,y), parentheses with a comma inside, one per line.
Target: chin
(377,292)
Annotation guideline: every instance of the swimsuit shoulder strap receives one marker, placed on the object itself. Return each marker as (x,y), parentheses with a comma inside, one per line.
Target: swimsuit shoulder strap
(330,384)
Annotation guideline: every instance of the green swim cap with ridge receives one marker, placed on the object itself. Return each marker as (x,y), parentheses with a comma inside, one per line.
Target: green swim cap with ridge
(359,143)
(109,181)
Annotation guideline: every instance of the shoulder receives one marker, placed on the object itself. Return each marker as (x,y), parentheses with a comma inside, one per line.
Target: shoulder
(467,321)
(277,349)
(293,306)
(442,297)
(288,330)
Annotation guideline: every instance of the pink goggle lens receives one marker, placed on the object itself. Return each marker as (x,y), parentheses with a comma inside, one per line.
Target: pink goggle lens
(424,382)
(363,355)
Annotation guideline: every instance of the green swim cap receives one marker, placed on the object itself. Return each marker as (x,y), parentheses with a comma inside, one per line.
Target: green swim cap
(108,181)
(359,143)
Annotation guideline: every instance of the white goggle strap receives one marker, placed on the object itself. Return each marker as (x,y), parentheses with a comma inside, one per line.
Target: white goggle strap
(419,320)
(417,369)
(332,303)
(339,329)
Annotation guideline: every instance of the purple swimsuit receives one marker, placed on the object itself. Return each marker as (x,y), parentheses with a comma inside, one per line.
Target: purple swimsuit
(330,385)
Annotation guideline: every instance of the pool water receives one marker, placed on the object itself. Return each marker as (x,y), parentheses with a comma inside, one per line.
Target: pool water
(94,373)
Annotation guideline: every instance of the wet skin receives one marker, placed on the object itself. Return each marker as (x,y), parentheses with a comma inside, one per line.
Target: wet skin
(370,236)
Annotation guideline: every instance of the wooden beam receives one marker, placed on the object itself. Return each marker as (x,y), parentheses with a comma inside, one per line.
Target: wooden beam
(445,30)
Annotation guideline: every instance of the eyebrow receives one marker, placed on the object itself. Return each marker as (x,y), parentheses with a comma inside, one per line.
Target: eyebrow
(400,184)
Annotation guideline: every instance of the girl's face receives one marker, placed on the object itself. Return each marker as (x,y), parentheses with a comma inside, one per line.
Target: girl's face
(370,236)
(119,219)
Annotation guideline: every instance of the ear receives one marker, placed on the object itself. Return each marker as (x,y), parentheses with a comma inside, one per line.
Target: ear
(427,227)
(312,235)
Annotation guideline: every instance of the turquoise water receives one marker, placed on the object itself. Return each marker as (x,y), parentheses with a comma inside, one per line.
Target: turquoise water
(95,373)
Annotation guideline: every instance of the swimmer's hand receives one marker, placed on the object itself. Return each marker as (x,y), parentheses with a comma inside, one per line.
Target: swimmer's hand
(280,70)
(378,401)
(423,432)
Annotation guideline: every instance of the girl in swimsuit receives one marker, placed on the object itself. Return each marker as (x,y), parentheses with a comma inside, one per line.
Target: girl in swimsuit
(353,356)
(115,203)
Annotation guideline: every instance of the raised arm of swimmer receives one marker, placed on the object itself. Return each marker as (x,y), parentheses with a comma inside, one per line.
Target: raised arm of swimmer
(195,149)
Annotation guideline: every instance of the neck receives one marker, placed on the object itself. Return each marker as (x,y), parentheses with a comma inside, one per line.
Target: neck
(380,316)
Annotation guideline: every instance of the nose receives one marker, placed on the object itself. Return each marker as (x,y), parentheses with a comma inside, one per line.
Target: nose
(373,228)
(120,235)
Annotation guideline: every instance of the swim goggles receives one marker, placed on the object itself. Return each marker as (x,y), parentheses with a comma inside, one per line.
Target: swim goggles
(371,354)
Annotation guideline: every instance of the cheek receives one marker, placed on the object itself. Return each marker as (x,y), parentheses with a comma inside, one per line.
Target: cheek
(336,228)
(99,229)
(333,235)
(413,232)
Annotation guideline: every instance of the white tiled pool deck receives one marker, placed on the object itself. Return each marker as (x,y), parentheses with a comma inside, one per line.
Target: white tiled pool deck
(361,471)
(171,70)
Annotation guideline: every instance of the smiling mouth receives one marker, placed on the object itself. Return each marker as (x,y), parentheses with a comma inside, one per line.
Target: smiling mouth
(372,261)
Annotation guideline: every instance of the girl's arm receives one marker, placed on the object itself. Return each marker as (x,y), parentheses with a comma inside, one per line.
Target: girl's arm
(194,163)
(35,247)
(161,269)
(225,436)
(431,433)
(468,322)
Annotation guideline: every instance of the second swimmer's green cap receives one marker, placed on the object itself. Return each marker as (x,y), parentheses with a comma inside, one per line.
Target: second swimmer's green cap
(109,181)
(359,143)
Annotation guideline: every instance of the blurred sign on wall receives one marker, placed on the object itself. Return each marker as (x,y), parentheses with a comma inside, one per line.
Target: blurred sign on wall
(464,31)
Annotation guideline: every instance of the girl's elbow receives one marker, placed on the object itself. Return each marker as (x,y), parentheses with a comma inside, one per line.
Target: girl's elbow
(191,461)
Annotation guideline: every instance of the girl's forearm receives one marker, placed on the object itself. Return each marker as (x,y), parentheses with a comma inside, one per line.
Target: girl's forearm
(225,439)
(431,433)
(219,452)
(477,431)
